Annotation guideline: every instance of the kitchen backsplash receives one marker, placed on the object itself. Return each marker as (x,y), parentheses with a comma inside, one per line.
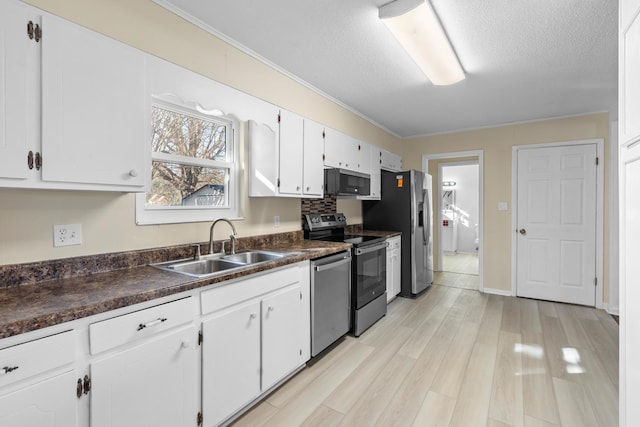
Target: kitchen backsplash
(324,205)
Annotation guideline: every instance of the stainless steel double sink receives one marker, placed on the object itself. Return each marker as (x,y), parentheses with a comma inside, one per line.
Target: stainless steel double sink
(210,265)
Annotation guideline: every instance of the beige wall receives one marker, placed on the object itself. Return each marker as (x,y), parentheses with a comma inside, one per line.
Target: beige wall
(497,143)
(108,219)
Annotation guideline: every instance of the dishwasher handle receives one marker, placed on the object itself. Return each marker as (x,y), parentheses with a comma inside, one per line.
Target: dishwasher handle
(331,265)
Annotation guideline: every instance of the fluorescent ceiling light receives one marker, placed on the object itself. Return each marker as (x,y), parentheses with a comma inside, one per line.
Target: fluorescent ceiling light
(416,26)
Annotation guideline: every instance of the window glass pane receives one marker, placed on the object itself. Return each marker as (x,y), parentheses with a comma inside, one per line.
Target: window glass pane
(174,184)
(183,135)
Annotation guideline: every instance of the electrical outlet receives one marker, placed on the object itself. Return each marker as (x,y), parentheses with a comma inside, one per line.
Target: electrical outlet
(67,235)
(276,221)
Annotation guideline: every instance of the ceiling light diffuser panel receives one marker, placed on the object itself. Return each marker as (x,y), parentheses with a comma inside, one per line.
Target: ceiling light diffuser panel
(416,26)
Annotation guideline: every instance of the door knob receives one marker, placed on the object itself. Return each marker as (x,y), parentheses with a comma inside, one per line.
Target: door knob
(522,231)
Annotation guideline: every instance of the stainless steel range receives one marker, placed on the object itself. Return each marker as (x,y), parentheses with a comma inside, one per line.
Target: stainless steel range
(368,271)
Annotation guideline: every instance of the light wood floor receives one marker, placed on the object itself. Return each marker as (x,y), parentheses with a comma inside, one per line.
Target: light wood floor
(456,357)
(460,263)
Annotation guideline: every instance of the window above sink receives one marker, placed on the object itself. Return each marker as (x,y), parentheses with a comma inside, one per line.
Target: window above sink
(194,171)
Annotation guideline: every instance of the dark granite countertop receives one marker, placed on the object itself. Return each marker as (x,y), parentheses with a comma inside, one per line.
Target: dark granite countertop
(28,304)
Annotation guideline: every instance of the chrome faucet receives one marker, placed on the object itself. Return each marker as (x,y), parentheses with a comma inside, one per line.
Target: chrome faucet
(232,237)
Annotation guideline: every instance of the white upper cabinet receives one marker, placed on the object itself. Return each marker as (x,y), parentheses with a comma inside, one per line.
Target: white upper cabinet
(344,152)
(629,69)
(286,163)
(375,156)
(19,56)
(290,153)
(74,106)
(95,108)
(313,163)
(390,161)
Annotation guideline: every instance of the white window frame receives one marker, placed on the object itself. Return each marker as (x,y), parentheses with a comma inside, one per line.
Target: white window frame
(146,215)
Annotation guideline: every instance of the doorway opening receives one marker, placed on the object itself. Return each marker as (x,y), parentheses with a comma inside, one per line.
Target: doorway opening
(457,194)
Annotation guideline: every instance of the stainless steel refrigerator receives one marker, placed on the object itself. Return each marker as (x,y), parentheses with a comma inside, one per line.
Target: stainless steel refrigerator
(406,206)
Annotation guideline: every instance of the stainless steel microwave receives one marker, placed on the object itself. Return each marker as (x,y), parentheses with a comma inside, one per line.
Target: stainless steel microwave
(342,182)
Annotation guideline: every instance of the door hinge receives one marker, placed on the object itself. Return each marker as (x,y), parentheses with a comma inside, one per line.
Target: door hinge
(323,156)
(595,281)
(278,118)
(34,31)
(323,134)
(300,296)
(200,338)
(200,418)
(597,161)
(86,384)
(278,182)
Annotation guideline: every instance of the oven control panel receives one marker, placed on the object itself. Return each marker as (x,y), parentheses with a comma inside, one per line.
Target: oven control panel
(325,221)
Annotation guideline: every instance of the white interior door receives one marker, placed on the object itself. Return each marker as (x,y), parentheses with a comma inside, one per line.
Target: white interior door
(556,223)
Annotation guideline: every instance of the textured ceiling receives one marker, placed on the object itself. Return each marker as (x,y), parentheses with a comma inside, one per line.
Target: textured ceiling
(524,60)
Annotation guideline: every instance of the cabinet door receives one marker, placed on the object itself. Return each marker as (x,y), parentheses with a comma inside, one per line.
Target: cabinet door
(50,403)
(281,346)
(341,150)
(375,174)
(263,175)
(630,275)
(290,154)
(391,161)
(364,157)
(18,57)
(95,108)
(230,361)
(313,165)
(152,384)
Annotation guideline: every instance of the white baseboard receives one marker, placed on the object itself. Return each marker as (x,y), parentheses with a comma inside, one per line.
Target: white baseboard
(611,310)
(497,292)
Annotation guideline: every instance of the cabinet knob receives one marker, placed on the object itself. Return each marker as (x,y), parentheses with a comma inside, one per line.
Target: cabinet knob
(308,188)
(185,344)
(271,308)
(252,316)
(133,173)
(297,188)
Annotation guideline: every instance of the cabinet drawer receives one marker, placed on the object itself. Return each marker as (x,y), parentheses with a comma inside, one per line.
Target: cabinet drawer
(35,357)
(141,324)
(237,292)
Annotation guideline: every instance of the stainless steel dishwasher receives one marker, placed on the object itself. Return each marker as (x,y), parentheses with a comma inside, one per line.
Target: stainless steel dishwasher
(330,300)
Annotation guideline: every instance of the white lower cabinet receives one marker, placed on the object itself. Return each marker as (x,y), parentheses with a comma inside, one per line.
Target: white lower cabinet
(257,335)
(150,366)
(393,267)
(231,361)
(48,403)
(38,383)
(152,384)
(281,347)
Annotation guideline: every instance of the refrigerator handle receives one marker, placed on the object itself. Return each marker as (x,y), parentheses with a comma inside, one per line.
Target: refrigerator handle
(425,216)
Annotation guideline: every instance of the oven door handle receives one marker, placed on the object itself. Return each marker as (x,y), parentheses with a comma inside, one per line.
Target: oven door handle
(372,248)
(331,265)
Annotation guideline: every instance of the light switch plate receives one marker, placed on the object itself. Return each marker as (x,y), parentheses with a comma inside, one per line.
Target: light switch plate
(67,235)
(502,206)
